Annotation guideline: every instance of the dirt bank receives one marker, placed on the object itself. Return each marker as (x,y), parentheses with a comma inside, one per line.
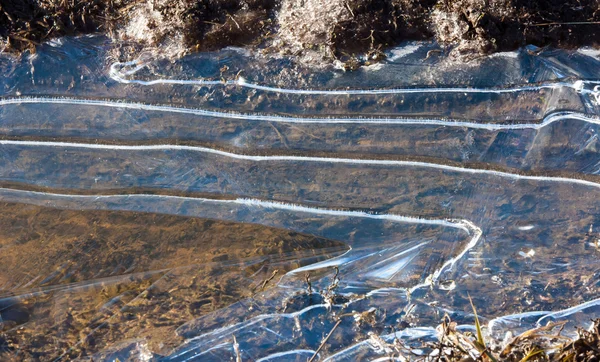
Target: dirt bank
(316,30)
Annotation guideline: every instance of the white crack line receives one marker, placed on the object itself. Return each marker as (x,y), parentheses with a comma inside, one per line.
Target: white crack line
(548,119)
(118,75)
(351,161)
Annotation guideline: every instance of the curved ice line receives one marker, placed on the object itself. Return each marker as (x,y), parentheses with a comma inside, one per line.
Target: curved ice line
(543,314)
(449,264)
(259,203)
(384,290)
(247,323)
(351,161)
(569,311)
(547,120)
(408,333)
(281,354)
(457,224)
(393,266)
(118,76)
(218,346)
(335,261)
(461,224)
(511,317)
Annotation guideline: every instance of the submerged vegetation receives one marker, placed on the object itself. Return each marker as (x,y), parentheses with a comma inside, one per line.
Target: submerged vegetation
(317,30)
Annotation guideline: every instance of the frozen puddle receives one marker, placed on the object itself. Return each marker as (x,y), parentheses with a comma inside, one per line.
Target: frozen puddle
(157,210)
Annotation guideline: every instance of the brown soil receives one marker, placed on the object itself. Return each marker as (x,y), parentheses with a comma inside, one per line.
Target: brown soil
(26,23)
(376,24)
(324,30)
(77,282)
(487,26)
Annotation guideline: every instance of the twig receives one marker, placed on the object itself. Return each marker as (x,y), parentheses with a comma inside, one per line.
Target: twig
(264,284)
(236,348)
(335,281)
(307,278)
(281,138)
(445,332)
(349,9)
(236,23)
(325,341)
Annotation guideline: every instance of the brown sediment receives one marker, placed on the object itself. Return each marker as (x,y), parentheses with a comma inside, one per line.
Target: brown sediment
(76,282)
(319,31)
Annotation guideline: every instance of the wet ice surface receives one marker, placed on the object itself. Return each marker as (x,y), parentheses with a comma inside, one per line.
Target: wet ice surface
(397,190)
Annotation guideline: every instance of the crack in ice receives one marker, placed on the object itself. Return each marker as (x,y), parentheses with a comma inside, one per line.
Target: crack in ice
(547,120)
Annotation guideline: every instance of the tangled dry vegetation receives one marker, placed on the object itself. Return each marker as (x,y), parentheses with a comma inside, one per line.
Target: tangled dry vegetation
(316,30)
(540,344)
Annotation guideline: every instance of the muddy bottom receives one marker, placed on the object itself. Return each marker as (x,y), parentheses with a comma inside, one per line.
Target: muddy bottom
(76,282)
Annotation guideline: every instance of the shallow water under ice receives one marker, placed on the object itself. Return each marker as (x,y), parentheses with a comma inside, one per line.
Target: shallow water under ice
(155,210)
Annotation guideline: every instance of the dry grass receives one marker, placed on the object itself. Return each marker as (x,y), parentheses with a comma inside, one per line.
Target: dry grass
(539,344)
